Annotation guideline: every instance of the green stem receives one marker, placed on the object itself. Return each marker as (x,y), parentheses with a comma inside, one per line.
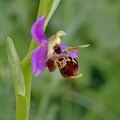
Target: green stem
(23,102)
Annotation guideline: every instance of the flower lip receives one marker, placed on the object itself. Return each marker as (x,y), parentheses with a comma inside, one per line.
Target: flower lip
(70,69)
(67,65)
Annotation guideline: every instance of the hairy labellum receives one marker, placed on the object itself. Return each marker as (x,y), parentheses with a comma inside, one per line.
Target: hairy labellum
(67,65)
(68,68)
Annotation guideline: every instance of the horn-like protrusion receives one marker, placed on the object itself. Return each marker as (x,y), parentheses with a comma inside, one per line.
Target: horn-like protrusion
(77,47)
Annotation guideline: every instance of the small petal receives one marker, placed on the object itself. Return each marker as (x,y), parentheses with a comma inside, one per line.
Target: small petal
(51,65)
(39,57)
(38,30)
(73,53)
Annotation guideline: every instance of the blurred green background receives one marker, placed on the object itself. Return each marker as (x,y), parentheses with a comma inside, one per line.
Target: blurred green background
(96,95)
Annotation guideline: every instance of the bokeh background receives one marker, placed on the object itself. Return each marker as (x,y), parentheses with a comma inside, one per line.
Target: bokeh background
(96,95)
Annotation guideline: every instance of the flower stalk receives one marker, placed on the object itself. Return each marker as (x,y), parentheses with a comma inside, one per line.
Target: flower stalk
(21,70)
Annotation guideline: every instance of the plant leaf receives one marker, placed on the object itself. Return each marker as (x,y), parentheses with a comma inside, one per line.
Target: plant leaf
(54,5)
(15,68)
(47,8)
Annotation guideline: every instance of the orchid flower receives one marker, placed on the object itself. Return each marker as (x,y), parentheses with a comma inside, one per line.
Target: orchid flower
(51,53)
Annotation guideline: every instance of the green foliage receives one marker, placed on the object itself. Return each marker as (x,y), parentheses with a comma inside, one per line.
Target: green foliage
(15,68)
(95,96)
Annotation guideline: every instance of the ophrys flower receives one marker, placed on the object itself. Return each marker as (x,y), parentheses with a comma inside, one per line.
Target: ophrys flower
(52,53)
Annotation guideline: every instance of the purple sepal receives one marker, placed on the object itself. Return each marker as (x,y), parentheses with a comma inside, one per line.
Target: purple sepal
(39,57)
(73,53)
(38,30)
